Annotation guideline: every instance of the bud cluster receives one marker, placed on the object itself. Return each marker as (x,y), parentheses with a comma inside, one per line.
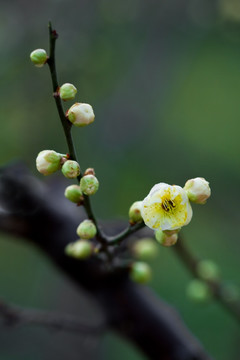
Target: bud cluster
(82,248)
(79,114)
(49,161)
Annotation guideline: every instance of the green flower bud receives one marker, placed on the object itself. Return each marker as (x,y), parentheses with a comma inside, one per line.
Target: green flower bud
(67,92)
(38,57)
(198,291)
(145,249)
(48,161)
(208,270)
(135,212)
(73,193)
(80,114)
(71,169)
(81,249)
(140,272)
(89,184)
(166,238)
(86,230)
(198,190)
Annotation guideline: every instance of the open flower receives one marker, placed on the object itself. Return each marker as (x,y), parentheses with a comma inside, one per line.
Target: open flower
(166,207)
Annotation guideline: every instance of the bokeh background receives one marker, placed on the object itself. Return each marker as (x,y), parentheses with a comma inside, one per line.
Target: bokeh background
(163,78)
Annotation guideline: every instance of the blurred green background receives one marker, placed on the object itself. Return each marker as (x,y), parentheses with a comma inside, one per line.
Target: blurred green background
(163,78)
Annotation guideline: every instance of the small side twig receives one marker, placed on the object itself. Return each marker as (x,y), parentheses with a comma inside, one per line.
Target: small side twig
(131,229)
(16,315)
(219,291)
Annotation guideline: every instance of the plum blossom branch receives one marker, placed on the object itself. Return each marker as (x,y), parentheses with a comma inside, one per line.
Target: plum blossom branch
(67,125)
(218,289)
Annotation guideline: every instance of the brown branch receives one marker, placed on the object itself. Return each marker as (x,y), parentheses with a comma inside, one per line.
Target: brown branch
(15,315)
(130,309)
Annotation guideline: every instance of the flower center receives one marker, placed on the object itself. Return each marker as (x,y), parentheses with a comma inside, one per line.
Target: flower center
(168,205)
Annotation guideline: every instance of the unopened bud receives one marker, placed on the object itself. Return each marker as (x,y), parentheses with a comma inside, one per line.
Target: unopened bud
(81,249)
(198,190)
(48,161)
(38,57)
(67,92)
(80,114)
(73,193)
(140,272)
(135,212)
(208,270)
(89,184)
(145,249)
(71,169)
(198,291)
(86,229)
(166,238)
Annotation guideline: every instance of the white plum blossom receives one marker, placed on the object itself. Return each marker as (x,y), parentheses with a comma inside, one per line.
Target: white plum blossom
(166,207)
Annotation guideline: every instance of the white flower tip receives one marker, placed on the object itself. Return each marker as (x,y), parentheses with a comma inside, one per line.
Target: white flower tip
(81,114)
(198,190)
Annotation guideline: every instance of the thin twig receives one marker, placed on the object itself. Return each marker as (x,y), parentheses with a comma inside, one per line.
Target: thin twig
(102,238)
(219,291)
(131,229)
(16,315)
(66,124)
